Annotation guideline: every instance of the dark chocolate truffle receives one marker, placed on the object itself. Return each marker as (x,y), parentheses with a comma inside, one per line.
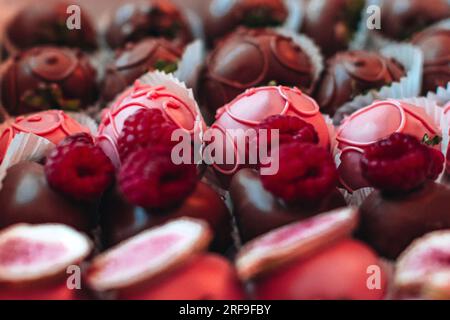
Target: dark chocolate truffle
(45,23)
(220,21)
(153,18)
(352,73)
(258,211)
(390,223)
(44,78)
(121,220)
(251,58)
(400,19)
(135,60)
(332,24)
(435,45)
(25,197)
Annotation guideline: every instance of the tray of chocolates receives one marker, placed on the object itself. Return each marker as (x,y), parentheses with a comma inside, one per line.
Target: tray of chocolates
(225,150)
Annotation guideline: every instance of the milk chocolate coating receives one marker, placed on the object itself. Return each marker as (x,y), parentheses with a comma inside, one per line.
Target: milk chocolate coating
(45,23)
(248,13)
(400,19)
(153,18)
(332,24)
(251,58)
(390,223)
(26,198)
(352,73)
(435,45)
(121,220)
(135,60)
(258,211)
(44,78)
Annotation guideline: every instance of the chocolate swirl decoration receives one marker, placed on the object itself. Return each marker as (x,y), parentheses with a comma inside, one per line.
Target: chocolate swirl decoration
(48,78)
(53,125)
(352,73)
(142,96)
(253,58)
(436,70)
(159,18)
(135,60)
(249,109)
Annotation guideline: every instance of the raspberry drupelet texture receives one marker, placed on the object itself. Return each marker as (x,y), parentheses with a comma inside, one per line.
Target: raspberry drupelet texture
(146,127)
(291,129)
(400,163)
(307,173)
(150,179)
(78,168)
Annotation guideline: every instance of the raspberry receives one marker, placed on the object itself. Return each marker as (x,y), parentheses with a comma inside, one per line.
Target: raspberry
(150,179)
(436,164)
(146,127)
(307,173)
(400,163)
(78,168)
(291,129)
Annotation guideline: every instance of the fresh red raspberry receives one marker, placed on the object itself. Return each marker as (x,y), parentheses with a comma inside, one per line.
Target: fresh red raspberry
(307,173)
(291,129)
(146,127)
(436,163)
(150,179)
(400,163)
(78,168)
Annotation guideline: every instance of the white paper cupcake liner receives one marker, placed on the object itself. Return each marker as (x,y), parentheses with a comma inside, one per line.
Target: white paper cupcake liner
(24,146)
(85,121)
(310,48)
(295,18)
(441,95)
(409,86)
(360,38)
(191,63)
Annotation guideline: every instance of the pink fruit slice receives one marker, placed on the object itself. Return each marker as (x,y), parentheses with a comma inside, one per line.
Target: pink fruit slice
(424,267)
(35,252)
(148,254)
(294,241)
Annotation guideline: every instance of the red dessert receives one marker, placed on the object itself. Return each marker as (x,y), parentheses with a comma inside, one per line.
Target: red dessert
(165,263)
(249,111)
(422,269)
(304,186)
(181,110)
(374,123)
(34,259)
(153,190)
(52,125)
(408,203)
(312,259)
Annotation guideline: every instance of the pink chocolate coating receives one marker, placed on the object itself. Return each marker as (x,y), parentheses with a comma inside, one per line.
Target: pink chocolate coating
(371,124)
(143,96)
(253,106)
(53,125)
